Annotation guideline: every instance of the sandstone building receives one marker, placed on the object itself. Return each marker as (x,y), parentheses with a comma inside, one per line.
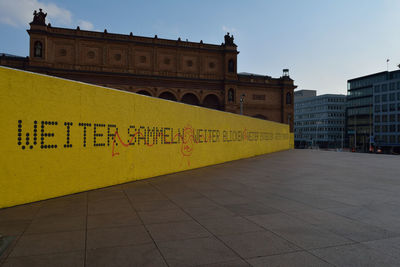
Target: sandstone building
(189,72)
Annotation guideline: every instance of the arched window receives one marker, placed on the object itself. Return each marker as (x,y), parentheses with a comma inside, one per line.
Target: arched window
(231,65)
(211,101)
(259,116)
(38,49)
(231,95)
(190,99)
(288,98)
(143,92)
(167,96)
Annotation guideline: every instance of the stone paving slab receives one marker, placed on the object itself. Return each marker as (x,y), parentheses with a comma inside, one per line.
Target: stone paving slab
(292,208)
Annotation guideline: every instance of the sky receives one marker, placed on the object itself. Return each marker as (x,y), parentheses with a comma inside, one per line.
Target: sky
(322,42)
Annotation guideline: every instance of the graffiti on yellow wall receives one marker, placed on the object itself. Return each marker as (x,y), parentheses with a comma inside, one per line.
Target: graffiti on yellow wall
(61,137)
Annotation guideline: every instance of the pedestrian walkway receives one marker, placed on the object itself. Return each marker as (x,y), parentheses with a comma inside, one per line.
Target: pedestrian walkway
(292,208)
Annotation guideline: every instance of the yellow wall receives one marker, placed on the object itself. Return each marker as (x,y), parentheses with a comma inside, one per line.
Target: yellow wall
(57,112)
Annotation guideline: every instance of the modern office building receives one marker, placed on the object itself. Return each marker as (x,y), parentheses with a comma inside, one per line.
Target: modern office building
(194,73)
(318,120)
(386,130)
(361,110)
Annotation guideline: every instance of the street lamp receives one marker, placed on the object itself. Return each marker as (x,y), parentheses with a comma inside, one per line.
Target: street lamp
(241,103)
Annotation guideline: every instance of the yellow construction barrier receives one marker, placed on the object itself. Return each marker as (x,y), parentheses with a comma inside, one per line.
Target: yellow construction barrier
(60,137)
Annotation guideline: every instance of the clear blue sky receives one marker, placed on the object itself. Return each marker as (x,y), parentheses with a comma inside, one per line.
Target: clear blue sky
(323,43)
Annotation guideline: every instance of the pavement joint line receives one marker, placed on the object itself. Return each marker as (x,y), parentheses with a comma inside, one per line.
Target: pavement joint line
(14,243)
(278,254)
(215,236)
(147,230)
(221,262)
(54,232)
(115,226)
(199,222)
(120,246)
(302,249)
(341,245)
(44,254)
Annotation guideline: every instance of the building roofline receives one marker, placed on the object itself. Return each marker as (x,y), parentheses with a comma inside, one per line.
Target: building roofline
(338,95)
(374,74)
(11,56)
(129,37)
(368,76)
(310,98)
(248,74)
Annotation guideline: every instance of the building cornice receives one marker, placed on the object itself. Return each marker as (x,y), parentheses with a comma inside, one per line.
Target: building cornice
(130,39)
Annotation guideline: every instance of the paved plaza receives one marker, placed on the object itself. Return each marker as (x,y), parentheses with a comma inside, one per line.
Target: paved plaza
(291,208)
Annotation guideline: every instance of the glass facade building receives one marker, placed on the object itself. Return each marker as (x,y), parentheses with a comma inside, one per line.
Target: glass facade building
(319,120)
(368,96)
(386,130)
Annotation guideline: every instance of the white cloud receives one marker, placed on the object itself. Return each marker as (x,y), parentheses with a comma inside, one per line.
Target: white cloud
(85,25)
(18,13)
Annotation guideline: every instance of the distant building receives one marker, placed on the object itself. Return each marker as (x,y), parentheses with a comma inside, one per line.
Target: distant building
(299,94)
(318,120)
(361,111)
(194,73)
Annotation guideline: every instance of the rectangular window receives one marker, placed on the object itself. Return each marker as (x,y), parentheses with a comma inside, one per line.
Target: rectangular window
(384,118)
(392,97)
(384,138)
(392,118)
(398,117)
(384,128)
(392,139)
(392,107)
(377,88)
(377,118)
(377,129)
(392,128)
(377,98)
(398,96)
(384,87)
(384,108)
(392,86)
(377,108)
(398,85)
(398,128)
(384,98)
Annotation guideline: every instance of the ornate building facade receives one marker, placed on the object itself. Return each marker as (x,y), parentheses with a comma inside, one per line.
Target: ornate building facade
(189,72)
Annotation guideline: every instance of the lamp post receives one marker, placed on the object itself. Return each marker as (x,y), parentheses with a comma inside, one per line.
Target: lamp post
(241,103)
